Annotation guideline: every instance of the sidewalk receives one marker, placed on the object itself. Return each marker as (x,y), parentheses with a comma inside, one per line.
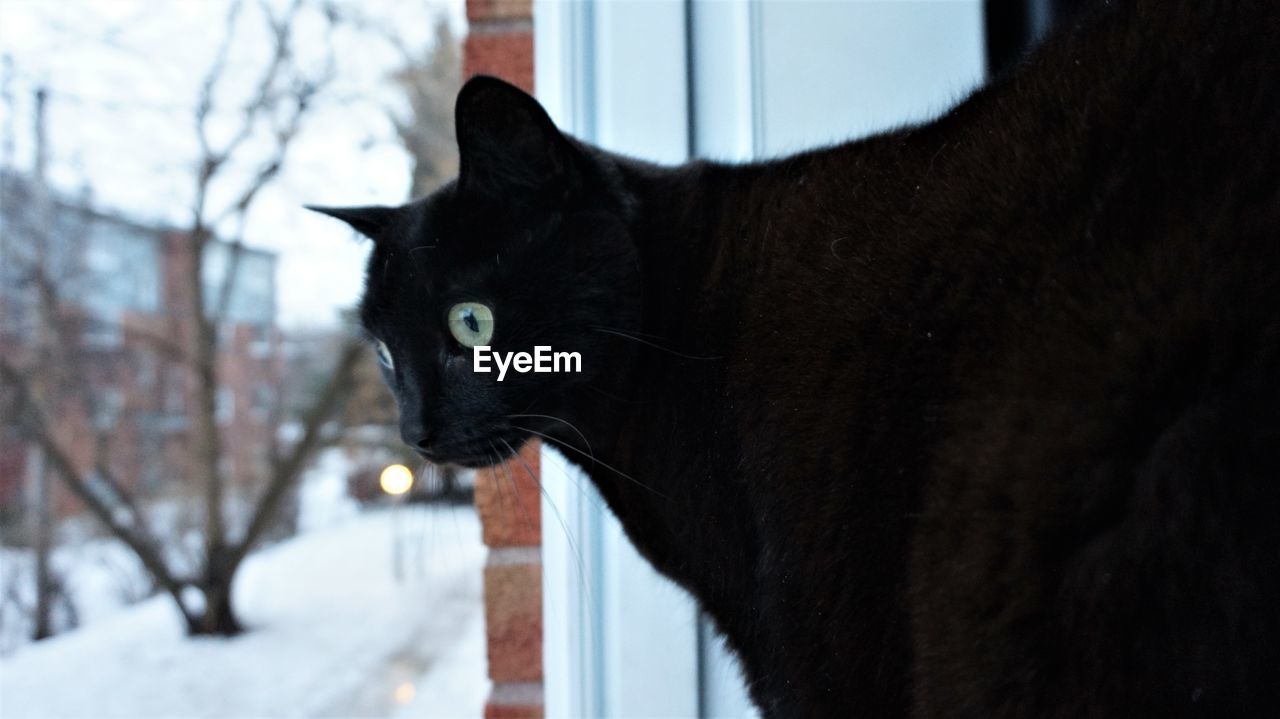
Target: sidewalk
(331,633)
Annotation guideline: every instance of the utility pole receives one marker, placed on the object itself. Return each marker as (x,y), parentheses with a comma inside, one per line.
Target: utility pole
(42,514)
(6,164)
(42,147)
(10,111)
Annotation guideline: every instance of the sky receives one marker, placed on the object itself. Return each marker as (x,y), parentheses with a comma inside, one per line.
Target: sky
(122,78)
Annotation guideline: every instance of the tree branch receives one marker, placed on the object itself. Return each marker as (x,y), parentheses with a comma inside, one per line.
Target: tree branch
(285,471)
(36,426)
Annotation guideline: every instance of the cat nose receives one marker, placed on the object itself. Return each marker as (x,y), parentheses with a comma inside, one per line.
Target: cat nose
(417,435)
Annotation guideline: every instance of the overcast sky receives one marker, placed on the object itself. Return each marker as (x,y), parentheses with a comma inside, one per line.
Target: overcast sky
(122,78)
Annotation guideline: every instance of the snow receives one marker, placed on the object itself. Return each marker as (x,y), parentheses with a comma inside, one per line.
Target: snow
(323,498)
(331,633)
(101,577)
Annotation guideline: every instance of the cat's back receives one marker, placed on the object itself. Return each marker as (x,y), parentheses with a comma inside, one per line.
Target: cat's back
(1040,342)
(1098,536)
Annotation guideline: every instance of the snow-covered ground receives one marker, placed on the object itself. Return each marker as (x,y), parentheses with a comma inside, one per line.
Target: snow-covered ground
(100,577)
(332,632)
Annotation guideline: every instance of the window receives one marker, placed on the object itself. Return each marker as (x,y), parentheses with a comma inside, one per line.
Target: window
(224,335)
(101,331)
(108,404)
(146,370)
(154,473)
(175,391)
(251,297)
(17,299)
(224,406)
(264,400)
(261,342)
(122,268)
(727,80)
(17,310)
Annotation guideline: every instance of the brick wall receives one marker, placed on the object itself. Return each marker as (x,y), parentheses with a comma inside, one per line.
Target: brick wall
(510,513)
(500,43)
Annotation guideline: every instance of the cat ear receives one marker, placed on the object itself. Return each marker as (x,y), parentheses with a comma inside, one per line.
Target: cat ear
(507,143)
(369,221)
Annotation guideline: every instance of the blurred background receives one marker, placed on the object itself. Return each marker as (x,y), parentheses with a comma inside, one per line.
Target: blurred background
(204,507)
(191,435)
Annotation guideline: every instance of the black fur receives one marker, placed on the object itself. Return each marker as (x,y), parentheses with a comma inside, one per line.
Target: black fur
(979,418)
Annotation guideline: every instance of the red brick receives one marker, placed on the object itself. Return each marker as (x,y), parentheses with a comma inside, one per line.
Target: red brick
(509,500)
(508,711)
(508,55)
(513,621)
(479,11)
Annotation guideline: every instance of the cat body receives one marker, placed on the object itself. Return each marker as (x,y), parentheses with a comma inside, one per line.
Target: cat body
(975,418)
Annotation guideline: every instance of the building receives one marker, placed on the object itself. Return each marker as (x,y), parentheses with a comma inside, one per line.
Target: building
(92,308)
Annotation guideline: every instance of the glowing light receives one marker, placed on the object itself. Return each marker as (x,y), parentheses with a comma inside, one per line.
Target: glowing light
(395,480)
(406,691)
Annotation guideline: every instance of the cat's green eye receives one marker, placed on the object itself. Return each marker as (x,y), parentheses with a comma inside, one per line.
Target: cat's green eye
(471,324)
(384,355)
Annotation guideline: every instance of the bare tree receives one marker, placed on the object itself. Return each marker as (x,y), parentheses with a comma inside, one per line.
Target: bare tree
(45,274)
(430,81)
(282,97)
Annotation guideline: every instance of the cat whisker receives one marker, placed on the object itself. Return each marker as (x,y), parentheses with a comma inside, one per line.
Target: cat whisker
(564,527)
(592,457)
(422,478)
(565,422)
(610,395)
(507,464)
(496,479)
(572,473)
(515,488)
(426,548)
(668,350)
(634,333)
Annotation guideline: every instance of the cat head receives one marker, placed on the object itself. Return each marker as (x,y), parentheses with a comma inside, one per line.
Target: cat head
(527,248)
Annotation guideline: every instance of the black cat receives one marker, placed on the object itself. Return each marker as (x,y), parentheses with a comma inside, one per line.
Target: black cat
(979,418)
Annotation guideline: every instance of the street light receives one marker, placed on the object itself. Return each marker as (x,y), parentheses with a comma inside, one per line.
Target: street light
(396,479)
